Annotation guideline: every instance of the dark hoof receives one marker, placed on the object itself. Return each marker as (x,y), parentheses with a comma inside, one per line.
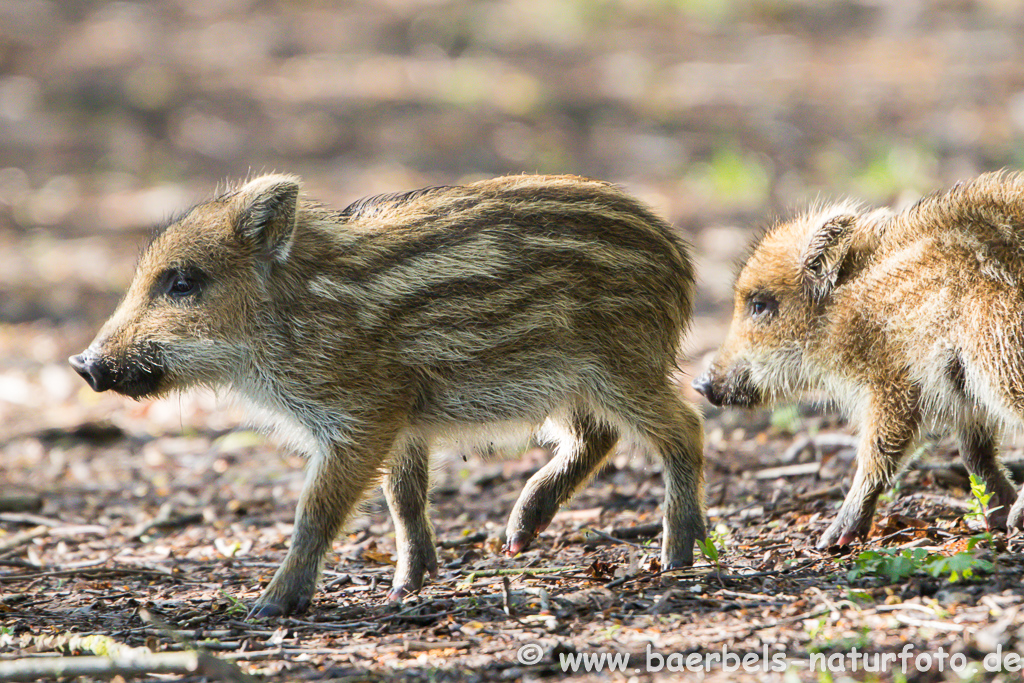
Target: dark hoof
(399,593)
(273,608)
(833,539)
(517,544)
(678,563)
(265,610)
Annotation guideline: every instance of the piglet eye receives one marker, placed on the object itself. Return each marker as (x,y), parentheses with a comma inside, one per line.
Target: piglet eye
(762,305)
(181,283)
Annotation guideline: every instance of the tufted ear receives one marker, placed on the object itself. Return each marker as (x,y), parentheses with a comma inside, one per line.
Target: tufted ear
(268,207)
(825,254)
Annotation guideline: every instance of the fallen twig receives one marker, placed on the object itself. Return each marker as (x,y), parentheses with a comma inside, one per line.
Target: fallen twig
(632,533)
(449,543)
(425,646)
(481,573)
(506,595)
(817,443)
(29,503)
(928,623)
(26,518)
(33,669)
(647,575)
(93,572)
(613,539)
(662,603)
(798,470)
(113,659)
(165,522)
(22,538)
(276,653)
(1016,467)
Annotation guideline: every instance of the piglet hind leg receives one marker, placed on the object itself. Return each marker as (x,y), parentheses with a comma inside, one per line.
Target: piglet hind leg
(887,438)
(979,452)
(674,428)
(335,483)
(578,455)
(405,488)
(1011,386)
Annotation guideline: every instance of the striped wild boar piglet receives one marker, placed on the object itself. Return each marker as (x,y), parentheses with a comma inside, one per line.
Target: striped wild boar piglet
(908,321)
(551,306)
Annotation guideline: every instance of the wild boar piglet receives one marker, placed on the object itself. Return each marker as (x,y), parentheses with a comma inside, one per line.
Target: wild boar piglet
(908,320)
(526,305)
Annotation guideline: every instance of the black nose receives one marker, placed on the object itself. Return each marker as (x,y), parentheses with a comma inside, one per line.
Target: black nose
(92,370)
(706,388)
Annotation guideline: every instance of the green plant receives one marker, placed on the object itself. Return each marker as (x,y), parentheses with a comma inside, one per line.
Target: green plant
(889,563)
(860,597)
(979,499)
(235,606)
(710,551)
(861,641)
(714,546)
(958,566)
(894,564)
(786,419)
(814,627)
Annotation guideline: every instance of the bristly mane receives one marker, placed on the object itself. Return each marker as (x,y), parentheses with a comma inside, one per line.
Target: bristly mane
(763,229)
(161,227)
(220,193)
(820,206)
(370,205)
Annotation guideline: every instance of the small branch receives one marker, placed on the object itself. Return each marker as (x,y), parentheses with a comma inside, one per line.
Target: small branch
(506,593)
(661,605)
(165,522)
(640,531)
(26,518)
(449,543)
(624,579)
(1016,467)
(407,614)
(93,572)
(928,623)
(472,576)
(789,620)
(30,503)
(817,443)
(802,469)
(21,538)
(611,538)
(112,658)
(32,669)
(426,645)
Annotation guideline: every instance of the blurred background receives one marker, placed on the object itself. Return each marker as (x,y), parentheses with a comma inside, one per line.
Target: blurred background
(721,114)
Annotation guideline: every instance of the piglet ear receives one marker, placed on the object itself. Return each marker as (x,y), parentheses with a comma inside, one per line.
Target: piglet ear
(825,254)
(267,209)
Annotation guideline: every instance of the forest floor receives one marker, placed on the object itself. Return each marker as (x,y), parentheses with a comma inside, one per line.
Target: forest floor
(144,530)
(149,527)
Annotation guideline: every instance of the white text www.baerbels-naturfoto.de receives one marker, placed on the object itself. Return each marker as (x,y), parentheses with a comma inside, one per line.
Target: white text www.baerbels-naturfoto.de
(905,660)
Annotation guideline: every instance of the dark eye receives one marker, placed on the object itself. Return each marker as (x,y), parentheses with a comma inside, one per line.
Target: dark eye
(181,283)
(762,305)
